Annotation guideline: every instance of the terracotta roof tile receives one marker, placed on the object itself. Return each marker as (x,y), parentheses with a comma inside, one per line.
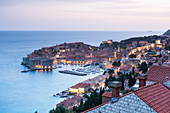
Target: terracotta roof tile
(158,73)
(156,96)
(126,67)
(107,94)
(80,85)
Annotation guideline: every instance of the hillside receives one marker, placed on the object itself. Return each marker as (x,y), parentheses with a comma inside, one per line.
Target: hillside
(150,39)
(123,43)
(167,33)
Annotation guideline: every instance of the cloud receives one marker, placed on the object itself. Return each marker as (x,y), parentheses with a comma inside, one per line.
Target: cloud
(32,2)
(51,14)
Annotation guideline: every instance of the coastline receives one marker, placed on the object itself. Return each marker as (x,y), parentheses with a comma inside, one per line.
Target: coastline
(89,76)
(23,92)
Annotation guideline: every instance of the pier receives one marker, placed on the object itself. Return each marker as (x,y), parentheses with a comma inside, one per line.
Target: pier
(73,73)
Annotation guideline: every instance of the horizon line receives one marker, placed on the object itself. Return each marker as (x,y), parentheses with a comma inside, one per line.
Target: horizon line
(92,30)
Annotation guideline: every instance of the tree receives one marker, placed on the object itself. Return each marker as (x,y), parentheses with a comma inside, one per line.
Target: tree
(74,108)
(81,107)
(86,96)
(104,73)
(86,105)
(100,95)
(132,56)
(110,71)
(131,81)
(150,64)
(116,63)
(156,60)
(167,47)
(122,80)
(143,67)
(133,70)
(106,82)
(60,109)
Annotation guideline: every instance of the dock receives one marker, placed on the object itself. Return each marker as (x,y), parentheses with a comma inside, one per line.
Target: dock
(72,72)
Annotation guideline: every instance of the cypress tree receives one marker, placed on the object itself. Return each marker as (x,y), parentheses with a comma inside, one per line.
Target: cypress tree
(130,81)
(133,70)
(122,80)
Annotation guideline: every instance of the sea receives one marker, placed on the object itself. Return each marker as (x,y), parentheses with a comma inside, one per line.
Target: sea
(33,91)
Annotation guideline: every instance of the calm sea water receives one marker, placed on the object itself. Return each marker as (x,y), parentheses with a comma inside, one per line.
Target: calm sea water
(32,91)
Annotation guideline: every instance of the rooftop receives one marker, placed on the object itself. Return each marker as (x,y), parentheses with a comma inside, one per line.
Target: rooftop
(80,85)
(107,94)
(148,99)
(158,73)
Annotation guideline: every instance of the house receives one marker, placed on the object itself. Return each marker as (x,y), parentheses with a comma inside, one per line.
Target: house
(126,69)
(143,42)
(71,102)
(134,43)
(97,81)
(158,74)
(79,88)
(132,61)
(153,98)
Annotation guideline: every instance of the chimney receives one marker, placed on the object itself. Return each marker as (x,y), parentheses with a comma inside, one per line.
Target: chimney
(115,86)
(142,79)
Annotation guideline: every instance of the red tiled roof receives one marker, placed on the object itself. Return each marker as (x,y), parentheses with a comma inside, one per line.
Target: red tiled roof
(80,85)
(125,67)
(157,96)
(107,94)
(115,67)
(70,102)
(158,73)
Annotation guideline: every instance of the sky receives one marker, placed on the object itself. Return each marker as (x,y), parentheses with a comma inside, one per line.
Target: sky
(85,15)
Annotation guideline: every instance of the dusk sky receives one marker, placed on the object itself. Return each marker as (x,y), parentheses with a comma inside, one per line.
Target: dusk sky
(89,15)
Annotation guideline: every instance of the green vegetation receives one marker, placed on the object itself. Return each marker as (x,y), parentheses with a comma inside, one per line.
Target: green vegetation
(116,63)
(93,100)
(143,67)
(122,80)
(167,47)
(61,109)
(110,71)
(132,56)
(132,81)
(111,78)
(122,44)
(150,39)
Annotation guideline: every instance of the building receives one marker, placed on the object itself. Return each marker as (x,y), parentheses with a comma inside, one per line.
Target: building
(38,63)
(97,81)
(158,74)
(79,88)
(153,98)
(132,61)
(134,43)
(143,42)
(71,102)
(126,69)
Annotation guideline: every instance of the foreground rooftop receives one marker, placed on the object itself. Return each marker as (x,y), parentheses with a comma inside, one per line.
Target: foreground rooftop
(148,99)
